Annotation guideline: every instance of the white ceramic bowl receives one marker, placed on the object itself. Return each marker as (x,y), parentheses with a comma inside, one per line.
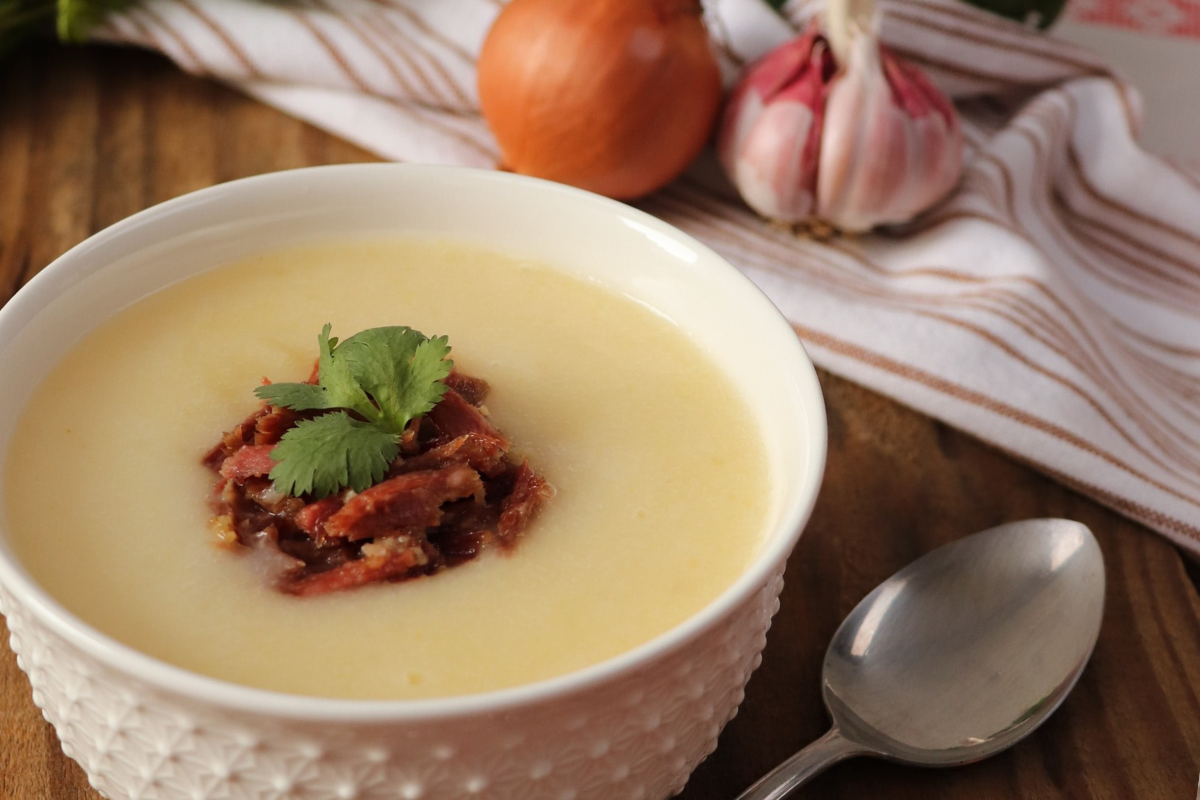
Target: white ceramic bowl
(630,728)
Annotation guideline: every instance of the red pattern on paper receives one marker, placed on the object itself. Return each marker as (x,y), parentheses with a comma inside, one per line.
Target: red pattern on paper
(1160,17)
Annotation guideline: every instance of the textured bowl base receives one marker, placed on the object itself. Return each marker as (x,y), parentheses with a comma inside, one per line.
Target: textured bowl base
(637,737)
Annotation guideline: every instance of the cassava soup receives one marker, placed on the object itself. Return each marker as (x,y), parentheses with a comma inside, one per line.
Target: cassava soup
(661,491)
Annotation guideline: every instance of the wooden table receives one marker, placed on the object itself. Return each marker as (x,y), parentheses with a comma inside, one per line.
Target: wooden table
(89,136)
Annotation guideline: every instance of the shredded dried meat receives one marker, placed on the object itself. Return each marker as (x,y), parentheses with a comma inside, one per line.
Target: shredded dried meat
(518,508)
(311,518)
(454,417)
(408,503)
(482,453)
(270,427)
(241,435)
(473,390)
(250,461)
(453,492)
(391,564)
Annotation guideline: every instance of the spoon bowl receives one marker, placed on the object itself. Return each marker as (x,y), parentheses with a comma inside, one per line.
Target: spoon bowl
(960,654)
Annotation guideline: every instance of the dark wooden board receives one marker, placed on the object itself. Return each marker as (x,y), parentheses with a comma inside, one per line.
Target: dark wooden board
(92,135)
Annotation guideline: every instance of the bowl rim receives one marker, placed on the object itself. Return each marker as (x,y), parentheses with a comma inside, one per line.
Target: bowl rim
(173,679)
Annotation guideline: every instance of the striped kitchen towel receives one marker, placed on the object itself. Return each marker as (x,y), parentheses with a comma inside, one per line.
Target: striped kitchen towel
(1051,306)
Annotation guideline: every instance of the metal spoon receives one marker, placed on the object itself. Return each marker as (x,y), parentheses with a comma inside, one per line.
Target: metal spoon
(960,654)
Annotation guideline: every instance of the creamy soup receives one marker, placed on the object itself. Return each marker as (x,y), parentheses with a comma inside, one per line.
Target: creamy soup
(661,475)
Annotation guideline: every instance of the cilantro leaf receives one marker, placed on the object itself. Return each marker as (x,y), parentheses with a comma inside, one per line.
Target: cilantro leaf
(342,390)
(424,386)
(296,396)
(320,456)
(387,377)
(336,387)
(400,369)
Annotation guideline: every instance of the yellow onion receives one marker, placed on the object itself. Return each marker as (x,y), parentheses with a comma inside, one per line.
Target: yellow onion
(614,96)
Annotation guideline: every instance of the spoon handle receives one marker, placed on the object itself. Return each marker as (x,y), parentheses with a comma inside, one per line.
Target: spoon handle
(824,752)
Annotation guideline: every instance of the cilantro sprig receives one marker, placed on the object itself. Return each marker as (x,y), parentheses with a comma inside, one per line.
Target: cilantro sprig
(374,384)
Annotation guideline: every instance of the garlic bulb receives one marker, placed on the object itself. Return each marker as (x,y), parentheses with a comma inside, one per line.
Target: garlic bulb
(834,127)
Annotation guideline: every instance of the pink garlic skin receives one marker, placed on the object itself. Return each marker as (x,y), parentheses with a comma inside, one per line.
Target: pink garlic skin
(892,145)
(875,143)
(771,131)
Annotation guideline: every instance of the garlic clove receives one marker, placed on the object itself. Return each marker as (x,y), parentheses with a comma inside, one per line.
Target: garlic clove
(771,130)
(764,80)
(892,145)
(941,140)
(776,169)
(865,150)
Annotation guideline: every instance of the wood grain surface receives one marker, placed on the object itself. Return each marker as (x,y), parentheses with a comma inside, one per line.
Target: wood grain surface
(89,136)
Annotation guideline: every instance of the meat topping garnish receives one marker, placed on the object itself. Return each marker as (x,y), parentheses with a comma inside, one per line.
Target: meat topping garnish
(382,466)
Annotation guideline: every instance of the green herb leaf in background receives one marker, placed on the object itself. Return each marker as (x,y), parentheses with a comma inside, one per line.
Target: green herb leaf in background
(73,19)
(1041,13)
(1038,12)
(387,377)
(77,17)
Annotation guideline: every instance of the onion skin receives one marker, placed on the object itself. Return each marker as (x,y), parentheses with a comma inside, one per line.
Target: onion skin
(613,96)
